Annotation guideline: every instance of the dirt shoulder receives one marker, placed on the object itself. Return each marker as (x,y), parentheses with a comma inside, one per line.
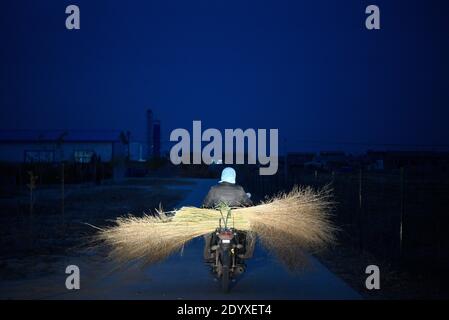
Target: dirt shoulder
(31,243)
(350,265)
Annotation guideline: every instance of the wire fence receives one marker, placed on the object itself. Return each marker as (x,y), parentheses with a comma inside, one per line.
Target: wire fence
(399,216)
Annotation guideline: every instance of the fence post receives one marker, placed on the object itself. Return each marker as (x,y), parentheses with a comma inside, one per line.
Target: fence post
(31,186)
(401,214)
(63,193)
(360,212)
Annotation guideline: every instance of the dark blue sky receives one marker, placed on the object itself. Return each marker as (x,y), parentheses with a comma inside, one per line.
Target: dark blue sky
(309,68)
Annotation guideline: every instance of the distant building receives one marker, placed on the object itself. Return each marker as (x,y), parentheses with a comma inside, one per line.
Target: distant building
(153,136)
(296,160)
(333,156)
(328,160)
(138,151)
(413,160)
(299,158)
(59,145)
(157,139)
(374,160)
(149,134)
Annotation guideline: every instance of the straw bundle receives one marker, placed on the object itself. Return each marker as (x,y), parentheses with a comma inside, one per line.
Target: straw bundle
(298,219)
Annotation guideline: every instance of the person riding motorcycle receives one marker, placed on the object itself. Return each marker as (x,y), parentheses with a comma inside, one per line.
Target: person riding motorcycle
(227,191)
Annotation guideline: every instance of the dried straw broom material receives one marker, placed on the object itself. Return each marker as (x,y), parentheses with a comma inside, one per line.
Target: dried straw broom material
(299,218)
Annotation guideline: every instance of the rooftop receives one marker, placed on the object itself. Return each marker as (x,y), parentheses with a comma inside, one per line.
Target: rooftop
(59,135)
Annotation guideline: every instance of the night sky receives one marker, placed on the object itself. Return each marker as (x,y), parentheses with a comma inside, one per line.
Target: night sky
(309,68)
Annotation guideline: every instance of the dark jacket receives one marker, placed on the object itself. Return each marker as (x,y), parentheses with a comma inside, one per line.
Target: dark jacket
(231,194)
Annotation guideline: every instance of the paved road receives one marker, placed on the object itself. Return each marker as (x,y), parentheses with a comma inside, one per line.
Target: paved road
(186,277)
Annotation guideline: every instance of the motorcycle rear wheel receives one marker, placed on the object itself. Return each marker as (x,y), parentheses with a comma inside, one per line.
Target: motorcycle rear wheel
(225,270)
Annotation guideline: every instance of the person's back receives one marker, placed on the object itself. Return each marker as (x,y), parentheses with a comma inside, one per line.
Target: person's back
(230,193)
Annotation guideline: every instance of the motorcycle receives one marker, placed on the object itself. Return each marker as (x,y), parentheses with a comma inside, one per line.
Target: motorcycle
(230,248)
